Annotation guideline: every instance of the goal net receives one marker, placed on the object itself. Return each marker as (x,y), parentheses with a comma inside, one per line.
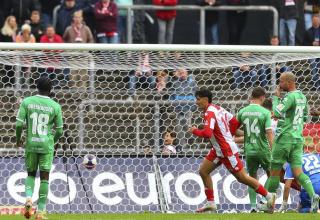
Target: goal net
(131,106)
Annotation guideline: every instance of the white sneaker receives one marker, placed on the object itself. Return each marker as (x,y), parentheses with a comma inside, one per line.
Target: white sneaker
(283,208)
(269,206)
(208,208)
(28,209)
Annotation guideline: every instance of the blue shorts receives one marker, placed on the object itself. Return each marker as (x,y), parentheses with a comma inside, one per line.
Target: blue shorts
(305,201)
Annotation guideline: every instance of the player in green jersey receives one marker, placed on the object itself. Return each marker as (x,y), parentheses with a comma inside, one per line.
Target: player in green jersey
(258,137)
(292,109)
(40,113)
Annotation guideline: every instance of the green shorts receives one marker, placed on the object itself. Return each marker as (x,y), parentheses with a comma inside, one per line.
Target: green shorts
(253,162)
(35,160)
(286,152)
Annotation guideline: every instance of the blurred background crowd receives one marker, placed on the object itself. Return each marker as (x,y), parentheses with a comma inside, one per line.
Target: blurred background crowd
(105,21)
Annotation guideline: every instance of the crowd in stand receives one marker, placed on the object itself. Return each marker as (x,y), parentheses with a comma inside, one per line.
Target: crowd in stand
(86,21)
(100,21)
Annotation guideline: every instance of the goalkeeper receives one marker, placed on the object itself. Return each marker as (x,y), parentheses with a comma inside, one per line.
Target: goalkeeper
(288,144)
(40,114)
(311,167)
(258,137)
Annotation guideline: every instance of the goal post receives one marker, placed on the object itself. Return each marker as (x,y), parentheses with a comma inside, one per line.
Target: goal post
(120,102)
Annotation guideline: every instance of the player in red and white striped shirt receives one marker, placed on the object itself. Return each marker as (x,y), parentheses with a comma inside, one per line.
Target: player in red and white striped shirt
(219,127)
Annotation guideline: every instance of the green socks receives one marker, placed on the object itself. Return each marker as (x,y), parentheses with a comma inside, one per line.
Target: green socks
(306,183)
(252,197)
(273,184)
(29,186)
(43,194)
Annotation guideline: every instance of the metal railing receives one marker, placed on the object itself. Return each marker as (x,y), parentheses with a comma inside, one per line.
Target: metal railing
(202,9)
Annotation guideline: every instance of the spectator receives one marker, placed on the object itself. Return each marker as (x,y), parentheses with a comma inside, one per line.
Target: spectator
(166,20)
(78,32)
(87,7)
(308,14)
(236,21)
(182,90)
(288,13)
(8,34)
(47,10)
(51,36)
(22,9)
(122,19)
(142,75)
(312,38)
(211,21)
(64,15)
(25,36)
(54,74)
(170,144)
(37,27)
(161,80)
(106,15)
(244,76)
(312,35)
(9,30)
(266,70)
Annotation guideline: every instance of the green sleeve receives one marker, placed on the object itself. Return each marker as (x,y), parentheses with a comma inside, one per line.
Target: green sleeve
(268,120)
(20,119)
(280,107)
(306,113)
(59,125)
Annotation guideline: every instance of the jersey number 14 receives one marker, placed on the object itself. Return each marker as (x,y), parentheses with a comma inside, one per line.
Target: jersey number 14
(252,128)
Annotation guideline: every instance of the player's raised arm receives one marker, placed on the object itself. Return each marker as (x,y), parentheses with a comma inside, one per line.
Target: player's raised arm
(280,107)
(21,116)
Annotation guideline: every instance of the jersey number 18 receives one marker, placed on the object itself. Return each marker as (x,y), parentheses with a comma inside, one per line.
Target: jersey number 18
(39,123)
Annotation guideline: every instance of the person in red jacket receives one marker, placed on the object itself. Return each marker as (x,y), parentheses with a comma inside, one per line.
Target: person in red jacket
(106,15)
(51,36)
(53,56)
(166,19)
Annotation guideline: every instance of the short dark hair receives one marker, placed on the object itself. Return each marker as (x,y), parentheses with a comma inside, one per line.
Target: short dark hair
(44,84)
(203,92)
(258,92)
(170,130)
(267,103)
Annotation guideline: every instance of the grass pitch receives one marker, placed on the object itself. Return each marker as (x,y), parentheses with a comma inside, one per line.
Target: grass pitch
(148,216)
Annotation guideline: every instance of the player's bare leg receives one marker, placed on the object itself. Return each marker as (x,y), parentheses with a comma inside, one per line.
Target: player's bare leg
(205,169)
(244,178)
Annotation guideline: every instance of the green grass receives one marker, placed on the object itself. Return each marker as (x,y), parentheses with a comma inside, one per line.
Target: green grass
(147,216)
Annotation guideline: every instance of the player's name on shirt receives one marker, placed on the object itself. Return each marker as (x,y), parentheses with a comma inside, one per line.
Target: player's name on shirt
(300,101)
(36,139)
(251,114)
(40,107)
